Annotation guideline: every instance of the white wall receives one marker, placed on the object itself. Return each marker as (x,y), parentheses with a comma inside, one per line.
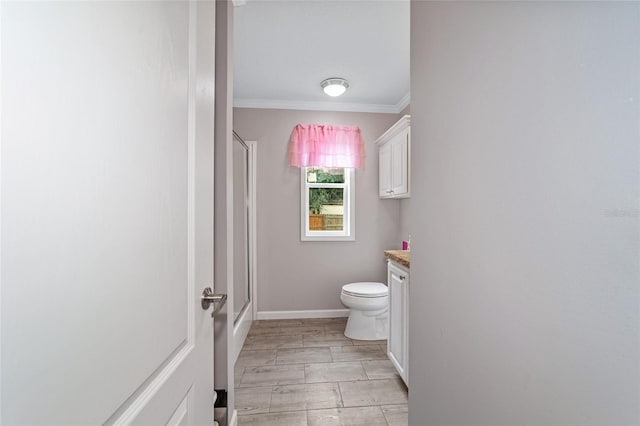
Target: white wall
(295,275)
(525,271)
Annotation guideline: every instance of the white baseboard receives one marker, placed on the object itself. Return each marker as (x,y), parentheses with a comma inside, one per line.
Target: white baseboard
(318,313)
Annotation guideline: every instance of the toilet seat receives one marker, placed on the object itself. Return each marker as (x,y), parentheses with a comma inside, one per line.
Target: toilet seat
(365,289)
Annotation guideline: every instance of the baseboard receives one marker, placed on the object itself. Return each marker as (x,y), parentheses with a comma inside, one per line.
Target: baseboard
(317,313)
(234,418)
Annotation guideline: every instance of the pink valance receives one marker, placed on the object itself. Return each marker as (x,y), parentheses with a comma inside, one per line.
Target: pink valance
(326,146)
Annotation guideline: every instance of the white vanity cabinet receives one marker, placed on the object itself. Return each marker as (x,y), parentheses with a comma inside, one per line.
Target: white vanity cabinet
(398,341)
(394,151)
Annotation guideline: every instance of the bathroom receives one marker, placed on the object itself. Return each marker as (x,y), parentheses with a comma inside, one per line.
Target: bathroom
(298,281)
(121,232)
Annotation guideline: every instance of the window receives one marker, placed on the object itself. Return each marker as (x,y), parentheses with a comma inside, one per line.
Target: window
(327,204)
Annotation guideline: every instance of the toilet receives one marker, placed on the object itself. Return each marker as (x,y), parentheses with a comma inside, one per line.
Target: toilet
(369,307)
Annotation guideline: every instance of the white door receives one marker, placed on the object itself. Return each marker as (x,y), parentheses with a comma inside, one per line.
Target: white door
(397,280)
(399,163)
(106,212)
(384,173)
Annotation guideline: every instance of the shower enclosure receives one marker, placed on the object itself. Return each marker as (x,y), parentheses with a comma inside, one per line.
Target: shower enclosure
(243,237)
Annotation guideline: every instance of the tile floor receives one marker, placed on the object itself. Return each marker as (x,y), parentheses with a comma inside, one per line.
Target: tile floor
(307,373)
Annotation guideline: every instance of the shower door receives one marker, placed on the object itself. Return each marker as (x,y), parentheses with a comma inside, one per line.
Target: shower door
(241,229)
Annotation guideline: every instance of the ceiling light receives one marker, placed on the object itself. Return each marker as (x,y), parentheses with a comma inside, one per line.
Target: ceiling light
(334,86)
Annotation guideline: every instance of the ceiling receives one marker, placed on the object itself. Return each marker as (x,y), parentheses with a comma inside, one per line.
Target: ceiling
(284,49)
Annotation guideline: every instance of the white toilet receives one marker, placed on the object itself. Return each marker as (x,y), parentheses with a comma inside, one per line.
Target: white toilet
(369,305)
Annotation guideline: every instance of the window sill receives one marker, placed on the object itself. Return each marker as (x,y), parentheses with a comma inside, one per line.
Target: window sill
(308,238)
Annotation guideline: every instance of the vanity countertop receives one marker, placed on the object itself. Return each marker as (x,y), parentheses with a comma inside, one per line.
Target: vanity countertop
(402,257)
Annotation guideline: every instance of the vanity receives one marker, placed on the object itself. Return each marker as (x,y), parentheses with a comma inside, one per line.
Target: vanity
(398,264)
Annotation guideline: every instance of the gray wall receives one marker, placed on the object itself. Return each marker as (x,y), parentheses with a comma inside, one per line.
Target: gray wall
(405,218)
(295,275)
(525,272)
(405,203)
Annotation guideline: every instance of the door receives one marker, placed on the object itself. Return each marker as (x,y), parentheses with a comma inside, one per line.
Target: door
(384,161)
(106,212)
(399,163)
(397,344)
(244,259)
(241,269)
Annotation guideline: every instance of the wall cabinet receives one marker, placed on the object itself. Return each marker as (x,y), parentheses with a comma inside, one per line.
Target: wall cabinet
(394,152)
(398,341)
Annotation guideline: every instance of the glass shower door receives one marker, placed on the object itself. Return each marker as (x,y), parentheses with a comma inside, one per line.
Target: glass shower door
(241,287)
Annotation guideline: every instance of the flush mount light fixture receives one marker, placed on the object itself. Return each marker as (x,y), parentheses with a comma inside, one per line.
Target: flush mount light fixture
(334,86)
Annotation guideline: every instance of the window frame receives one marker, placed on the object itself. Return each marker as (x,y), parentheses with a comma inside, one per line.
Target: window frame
(349,231)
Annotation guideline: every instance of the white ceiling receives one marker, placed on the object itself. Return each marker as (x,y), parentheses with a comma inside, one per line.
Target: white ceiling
(284,49)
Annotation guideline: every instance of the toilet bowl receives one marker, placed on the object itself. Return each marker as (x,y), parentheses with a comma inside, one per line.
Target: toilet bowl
(369,306)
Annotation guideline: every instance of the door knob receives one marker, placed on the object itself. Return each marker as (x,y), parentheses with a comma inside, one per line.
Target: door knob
(209,298)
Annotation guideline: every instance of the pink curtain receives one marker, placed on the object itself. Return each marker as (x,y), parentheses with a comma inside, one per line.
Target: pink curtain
(326,146)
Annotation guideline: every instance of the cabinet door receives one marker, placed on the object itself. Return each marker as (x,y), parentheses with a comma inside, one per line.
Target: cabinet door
(397,343)
(384,173)
(399,164)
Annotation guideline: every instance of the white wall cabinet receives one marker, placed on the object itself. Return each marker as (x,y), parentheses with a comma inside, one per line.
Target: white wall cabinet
(398,343)
(394,152)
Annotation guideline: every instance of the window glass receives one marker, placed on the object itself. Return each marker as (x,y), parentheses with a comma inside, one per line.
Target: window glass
(326,209)
(323,175)
(327,204)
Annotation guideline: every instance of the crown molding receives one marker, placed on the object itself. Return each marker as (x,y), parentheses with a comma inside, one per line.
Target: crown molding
(403,102)
(322,106)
